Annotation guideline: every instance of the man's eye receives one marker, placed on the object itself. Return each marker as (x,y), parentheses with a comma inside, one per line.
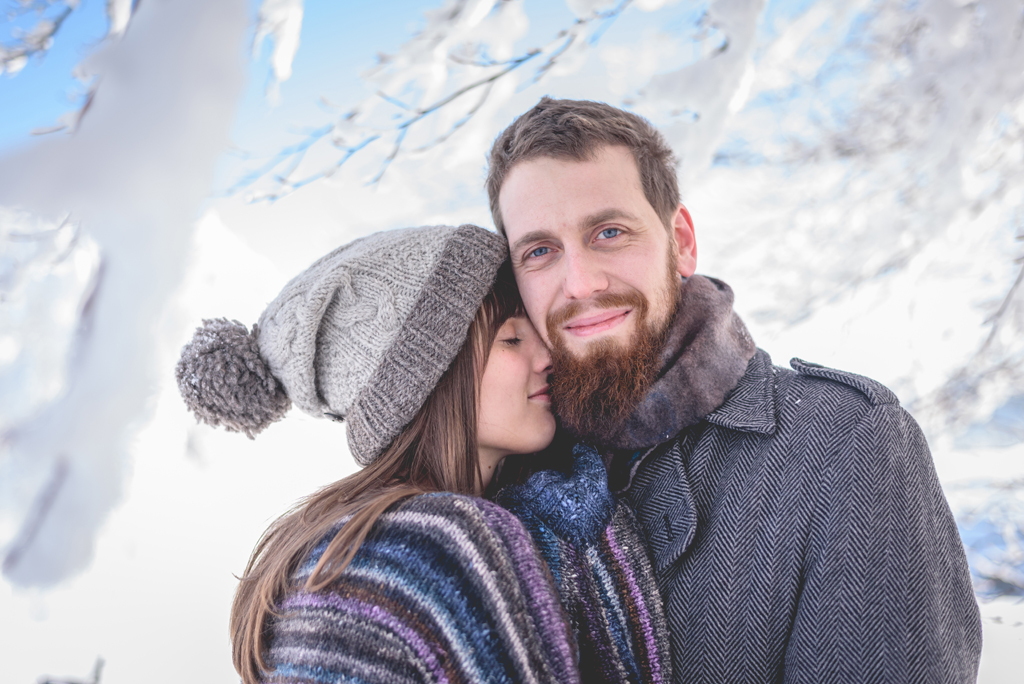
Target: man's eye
(608,233)
(539,252)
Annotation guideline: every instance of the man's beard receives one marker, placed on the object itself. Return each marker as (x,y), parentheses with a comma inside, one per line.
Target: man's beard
(593,395)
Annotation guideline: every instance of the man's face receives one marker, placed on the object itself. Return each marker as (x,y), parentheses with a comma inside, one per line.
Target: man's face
(585,244)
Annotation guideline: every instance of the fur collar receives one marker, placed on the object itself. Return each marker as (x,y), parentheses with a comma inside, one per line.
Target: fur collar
(705,356)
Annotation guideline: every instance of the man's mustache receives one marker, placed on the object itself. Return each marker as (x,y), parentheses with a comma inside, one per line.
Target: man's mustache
(605,300)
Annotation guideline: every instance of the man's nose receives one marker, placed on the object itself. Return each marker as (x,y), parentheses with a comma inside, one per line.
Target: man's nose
(582,277)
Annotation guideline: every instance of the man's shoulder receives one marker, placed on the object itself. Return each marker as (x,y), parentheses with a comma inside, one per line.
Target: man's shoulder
(770,398)
(818,416)
(815,404)
(807,376)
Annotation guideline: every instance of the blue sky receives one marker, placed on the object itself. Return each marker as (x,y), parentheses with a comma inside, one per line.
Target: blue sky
(339,41)
(45,89)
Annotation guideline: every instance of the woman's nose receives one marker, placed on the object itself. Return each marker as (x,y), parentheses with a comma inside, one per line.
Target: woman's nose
(542,358)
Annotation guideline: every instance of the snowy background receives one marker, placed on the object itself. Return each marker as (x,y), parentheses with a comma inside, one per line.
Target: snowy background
(855,170)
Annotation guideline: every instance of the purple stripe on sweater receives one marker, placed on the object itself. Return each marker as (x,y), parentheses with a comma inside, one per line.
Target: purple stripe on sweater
(641,605)
(421,646)
(541,598)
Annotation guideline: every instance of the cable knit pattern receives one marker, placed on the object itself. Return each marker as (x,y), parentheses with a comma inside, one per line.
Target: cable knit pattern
(366,332)
(593,547)
(446,588)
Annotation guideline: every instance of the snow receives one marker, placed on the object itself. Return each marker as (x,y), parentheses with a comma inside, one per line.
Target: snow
(134,176)
(119,13)
(195,502)
(281,20)
(1003,624)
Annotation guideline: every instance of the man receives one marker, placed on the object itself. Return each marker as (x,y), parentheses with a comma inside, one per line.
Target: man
(794,518)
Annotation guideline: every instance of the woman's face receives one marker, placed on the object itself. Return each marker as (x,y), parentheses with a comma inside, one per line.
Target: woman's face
(514,415)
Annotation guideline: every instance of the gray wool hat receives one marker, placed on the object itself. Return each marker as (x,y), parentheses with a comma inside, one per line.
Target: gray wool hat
(364,335)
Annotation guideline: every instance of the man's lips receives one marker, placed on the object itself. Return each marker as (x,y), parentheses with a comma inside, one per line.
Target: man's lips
(591,325)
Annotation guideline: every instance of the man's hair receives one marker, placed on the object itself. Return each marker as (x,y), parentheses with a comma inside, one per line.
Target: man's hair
(575,130)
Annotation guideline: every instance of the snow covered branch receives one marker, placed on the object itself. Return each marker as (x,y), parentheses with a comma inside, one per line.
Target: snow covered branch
(83,295)
(451,65)
(94,677)
(52,14)
(281,20)
(37,40)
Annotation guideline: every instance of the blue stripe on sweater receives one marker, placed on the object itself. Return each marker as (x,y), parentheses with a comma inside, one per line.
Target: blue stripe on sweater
(441,584)
(315,674)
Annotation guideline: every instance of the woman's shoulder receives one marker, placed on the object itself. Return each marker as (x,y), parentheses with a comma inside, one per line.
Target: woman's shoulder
(453,522)
(456,533)
(444,587)
(459,508)
(446,515)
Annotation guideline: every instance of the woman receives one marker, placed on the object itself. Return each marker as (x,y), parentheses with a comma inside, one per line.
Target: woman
(400,572)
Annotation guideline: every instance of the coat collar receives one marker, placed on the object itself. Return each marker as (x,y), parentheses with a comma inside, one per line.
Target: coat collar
(705,356)
(750,407)
(743,401)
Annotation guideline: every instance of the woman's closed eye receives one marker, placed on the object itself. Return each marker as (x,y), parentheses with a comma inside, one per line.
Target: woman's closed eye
(512,341)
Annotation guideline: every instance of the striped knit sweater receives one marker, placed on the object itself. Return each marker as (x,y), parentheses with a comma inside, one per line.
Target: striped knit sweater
(593,547)
(446,588)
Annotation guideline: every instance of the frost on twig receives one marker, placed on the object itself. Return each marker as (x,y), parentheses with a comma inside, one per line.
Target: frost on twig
(281,20)
(51,15)
(35,42)
(994,373)
(889,138)
(119,13)
(442,77)
(94,678)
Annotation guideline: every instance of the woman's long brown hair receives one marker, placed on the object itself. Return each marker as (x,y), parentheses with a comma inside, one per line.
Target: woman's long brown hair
(436,452)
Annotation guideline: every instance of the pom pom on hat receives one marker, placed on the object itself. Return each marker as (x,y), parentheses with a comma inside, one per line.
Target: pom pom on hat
(224,380)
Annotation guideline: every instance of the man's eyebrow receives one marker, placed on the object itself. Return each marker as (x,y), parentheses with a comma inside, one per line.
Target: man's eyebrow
(532,236)
(603,216)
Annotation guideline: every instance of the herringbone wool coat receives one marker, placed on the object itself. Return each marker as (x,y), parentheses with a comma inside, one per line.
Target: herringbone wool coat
(799,535)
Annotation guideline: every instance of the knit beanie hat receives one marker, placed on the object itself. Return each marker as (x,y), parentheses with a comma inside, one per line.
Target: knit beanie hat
(364,335)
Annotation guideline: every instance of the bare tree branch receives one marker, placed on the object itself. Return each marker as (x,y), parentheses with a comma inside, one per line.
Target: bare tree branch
(94,678)
(996,319)
(584,28)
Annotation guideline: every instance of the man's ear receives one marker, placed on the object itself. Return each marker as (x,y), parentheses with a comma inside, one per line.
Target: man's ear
(685,242)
